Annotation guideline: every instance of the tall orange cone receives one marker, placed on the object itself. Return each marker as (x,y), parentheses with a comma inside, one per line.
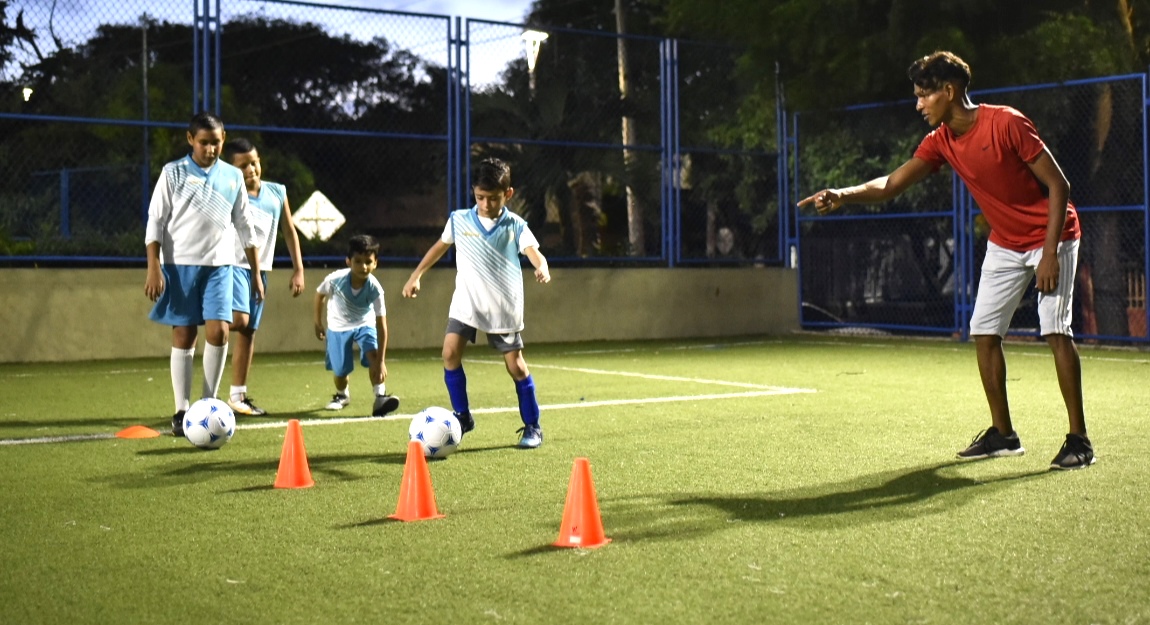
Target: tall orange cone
(293,471)
(582,526)
(416,498)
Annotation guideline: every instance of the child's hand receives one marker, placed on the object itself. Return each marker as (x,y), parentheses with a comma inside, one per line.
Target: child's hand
(411,289)
(320,331)
(542,275)
(154,284)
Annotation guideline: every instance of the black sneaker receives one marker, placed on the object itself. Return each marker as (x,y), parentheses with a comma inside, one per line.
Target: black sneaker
(991,444)
(384,404)
(178,424)
(1076,453)
(466,421)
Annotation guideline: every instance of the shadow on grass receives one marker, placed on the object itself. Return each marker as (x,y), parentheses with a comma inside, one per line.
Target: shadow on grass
(322,467)
(876,498)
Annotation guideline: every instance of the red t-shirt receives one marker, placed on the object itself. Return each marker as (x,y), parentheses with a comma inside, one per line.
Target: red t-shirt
(991,158)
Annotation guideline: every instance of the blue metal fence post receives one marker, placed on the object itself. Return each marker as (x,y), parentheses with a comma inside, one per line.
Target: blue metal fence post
(1145,198)
(664,145)
(65,204)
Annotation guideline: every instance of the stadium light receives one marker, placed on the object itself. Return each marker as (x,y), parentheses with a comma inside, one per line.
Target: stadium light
(532,39)
(27,93)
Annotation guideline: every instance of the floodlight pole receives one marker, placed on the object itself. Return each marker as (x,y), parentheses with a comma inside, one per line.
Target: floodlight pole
(634,209)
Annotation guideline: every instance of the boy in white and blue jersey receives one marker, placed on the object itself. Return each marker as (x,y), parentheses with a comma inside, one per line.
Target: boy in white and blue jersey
(270,210)
(198,211)
(356,315)
(488,296)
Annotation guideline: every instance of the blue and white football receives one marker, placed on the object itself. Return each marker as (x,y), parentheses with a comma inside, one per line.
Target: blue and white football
(437,430)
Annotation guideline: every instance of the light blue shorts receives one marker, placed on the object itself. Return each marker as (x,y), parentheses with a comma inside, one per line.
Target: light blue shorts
(192,294)
(340,358)
(242,295)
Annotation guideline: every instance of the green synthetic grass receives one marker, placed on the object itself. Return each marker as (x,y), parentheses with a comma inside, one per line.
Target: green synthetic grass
(843,505)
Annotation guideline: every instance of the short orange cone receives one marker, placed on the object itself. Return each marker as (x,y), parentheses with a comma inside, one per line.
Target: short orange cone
(416,498)
(137,431)
(582,525)
(293,471)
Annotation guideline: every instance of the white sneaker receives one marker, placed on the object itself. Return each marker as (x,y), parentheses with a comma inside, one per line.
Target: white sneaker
(338,402)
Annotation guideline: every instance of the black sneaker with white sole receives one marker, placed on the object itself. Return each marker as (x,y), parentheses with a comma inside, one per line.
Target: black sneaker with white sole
(992,444)
(1076,453)
(178,424)
(384,404)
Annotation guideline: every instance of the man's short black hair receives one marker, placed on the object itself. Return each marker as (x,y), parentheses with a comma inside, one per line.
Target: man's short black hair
(363,244)
(934,70)
(237,146)
(204,121)
(492,174)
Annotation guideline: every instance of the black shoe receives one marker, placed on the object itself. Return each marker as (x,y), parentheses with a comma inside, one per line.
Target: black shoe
(384,404)
(466,421)
(178,424)
(991,444)
(1076,453)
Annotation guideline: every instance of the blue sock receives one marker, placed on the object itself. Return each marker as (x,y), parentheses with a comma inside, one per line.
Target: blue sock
(456,381)
(528,405)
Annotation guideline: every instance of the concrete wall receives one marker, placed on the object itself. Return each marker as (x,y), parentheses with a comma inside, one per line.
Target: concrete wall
(95,314)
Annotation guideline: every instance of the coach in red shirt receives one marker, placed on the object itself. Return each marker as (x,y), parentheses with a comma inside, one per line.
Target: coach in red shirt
(1034,233)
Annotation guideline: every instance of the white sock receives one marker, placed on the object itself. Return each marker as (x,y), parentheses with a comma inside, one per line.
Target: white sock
(239,392)
(380,390)
(214,358)
(181,366)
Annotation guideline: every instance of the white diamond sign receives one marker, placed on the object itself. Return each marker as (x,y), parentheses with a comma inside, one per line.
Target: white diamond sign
(318,218)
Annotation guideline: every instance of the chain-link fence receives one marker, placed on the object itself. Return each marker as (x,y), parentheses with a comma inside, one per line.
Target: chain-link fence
(913,263)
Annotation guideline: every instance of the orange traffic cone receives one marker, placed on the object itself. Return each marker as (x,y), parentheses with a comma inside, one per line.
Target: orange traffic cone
(582,525)
(293,471)
(416,498)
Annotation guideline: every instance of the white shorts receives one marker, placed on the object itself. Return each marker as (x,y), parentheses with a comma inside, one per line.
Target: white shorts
(1005,276)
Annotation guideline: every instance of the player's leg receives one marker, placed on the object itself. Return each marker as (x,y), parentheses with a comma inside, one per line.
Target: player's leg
(455,340)
(1055,313)
(179,308)
(338,360)
(512,347)
(1002,283)
(245,320)
(217,307)
(372,358)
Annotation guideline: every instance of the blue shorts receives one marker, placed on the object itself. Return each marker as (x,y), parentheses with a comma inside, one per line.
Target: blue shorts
(192,294)
(339,359)
(242,295)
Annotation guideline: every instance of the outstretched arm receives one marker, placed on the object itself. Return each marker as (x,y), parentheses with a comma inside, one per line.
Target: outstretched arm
(411,289)
(877,190)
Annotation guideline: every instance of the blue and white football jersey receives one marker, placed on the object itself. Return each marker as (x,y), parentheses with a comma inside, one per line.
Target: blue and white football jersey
(489,279)
(196,215)
(348,308)
(266,209)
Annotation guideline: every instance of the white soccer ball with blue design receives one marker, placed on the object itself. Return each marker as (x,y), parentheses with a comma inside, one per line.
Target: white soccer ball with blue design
(437,430)
(209,423)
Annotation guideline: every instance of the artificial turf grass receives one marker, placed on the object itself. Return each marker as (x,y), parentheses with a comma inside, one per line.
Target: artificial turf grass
(841,506)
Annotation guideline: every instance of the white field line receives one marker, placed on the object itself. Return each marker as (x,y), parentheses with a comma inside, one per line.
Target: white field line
(652,376)
(401,417)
